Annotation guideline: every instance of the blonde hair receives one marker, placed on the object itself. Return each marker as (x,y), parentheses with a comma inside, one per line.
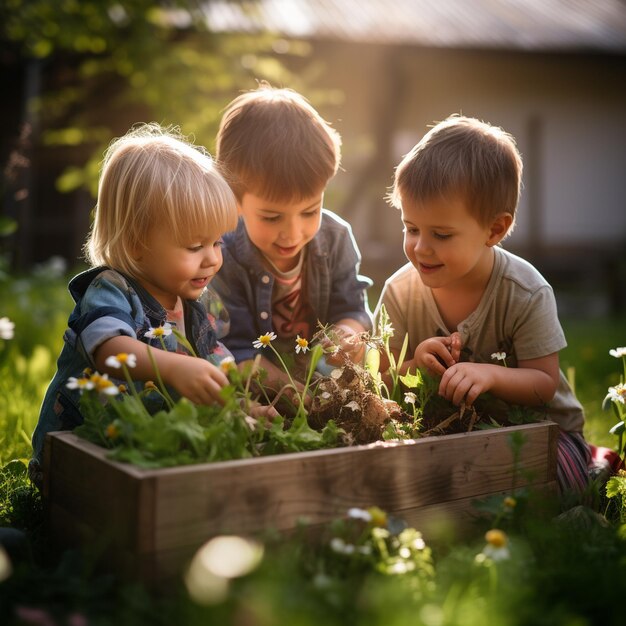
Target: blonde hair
(467,157)
(154,176)
(273,143)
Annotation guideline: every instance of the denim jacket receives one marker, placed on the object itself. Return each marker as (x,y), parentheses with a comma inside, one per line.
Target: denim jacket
(109,304)
(335,289)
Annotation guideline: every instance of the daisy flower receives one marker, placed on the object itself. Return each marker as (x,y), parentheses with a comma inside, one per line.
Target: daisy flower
(264,340)
(6,328)
(227,364)
(496,548)
(618,353)
(103,385)
(160,331)
(301,344)
(498,356)
(82,384)
(116,361)
(410,397)
(362,514)
(618,393)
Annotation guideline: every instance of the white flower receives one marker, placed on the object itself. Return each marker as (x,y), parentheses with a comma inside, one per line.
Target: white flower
(498,356)
(496,548)
(103,385)
(227,364)
(116,361)
(618,352)
(301,344)
(618,393)
(79,383)
(6,328)
(362,514)
(410,397)
(160,331)
(401,567)
(337,544)
(264,340)
(418,544)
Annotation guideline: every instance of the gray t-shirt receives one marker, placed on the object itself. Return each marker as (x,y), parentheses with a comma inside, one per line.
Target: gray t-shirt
(516,315)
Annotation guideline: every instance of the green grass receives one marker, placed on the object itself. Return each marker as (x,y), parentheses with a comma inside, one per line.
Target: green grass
(589,342)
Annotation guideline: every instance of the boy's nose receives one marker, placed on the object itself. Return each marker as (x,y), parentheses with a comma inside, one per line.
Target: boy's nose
(289,231)
(422,246)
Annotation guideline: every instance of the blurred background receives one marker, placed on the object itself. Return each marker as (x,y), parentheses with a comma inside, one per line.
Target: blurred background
(75,74)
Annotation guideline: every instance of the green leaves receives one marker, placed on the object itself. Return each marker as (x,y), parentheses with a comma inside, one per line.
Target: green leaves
(188,433)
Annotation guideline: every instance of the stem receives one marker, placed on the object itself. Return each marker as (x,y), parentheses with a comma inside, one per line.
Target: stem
(184,341)
(162,387)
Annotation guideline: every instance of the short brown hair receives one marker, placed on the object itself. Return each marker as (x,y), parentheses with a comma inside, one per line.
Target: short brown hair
(273,143)
(154,177)
(467,157)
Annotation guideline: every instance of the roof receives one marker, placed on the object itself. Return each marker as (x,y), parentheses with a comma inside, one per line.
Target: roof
(535,25)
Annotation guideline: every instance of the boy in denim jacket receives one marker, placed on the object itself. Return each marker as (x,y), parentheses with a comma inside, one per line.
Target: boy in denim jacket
(290,264)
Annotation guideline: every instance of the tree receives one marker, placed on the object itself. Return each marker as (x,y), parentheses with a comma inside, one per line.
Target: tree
(84,71)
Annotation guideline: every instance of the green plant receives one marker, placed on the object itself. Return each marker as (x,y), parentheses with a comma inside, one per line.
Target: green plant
(179,432)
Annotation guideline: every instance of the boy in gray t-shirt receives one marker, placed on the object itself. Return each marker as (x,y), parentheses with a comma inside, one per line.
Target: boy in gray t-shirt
(467,305)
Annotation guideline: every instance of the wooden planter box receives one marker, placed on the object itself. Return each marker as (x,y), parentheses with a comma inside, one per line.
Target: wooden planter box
(152,521)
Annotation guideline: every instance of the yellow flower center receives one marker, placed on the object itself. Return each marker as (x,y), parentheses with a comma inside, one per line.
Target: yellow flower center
(379,517)
(265,339)
(496,538)
(510,502)
(303,343)
(112,431)
(122,357)
(158,332)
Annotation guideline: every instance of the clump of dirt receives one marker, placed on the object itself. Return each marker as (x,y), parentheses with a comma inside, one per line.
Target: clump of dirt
(347,397)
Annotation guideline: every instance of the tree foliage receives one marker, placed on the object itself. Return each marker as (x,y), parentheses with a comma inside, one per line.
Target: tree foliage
(106,64)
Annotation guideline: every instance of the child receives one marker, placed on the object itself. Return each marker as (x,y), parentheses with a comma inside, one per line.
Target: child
(290,263)
(458,190)
(154,247)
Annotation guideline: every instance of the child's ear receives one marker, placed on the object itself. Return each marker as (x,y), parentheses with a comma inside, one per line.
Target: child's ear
(499,228)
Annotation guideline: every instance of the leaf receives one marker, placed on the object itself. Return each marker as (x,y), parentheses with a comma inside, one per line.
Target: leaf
(405,345)
(412,381)
(372,361)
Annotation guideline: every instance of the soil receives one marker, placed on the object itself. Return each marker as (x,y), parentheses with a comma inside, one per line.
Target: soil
(349,398)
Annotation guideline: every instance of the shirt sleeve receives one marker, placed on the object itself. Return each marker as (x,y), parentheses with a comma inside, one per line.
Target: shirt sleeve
(105,312)
(538,332)
(348,297)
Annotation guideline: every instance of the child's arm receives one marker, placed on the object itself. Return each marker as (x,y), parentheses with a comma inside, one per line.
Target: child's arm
(194,378)
(531,383)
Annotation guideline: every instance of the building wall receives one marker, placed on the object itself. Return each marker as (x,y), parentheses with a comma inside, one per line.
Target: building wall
(567,112)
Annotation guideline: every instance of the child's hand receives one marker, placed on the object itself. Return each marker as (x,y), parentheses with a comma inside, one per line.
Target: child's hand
(464,382)
(262,412)
(436,354)
(197,379)
(348,342)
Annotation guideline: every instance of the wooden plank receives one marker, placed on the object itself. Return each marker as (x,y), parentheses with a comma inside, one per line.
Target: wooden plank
(156,519)
(102,494)
(319,486)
